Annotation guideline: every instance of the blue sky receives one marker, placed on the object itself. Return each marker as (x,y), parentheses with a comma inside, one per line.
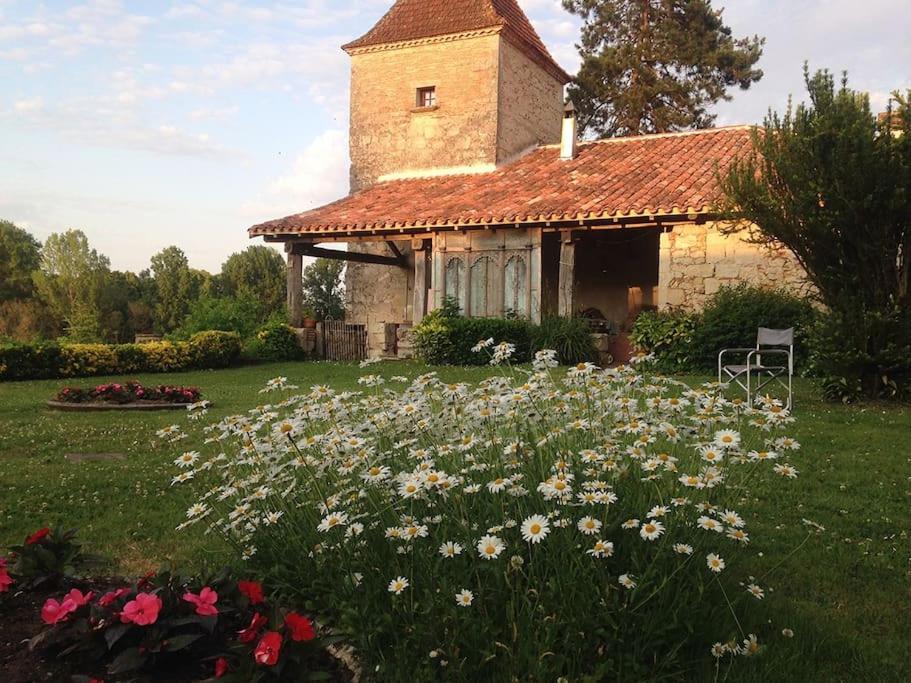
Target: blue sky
(147,124)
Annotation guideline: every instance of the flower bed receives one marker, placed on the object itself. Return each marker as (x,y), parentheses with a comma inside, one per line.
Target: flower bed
(171,627)
(591,525)
(129,395)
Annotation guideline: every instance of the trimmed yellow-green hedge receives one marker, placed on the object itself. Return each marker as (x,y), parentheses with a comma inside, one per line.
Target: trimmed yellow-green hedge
(203,351)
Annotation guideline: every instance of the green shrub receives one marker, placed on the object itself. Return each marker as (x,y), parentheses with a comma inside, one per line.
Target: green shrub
(31,361)
(52,360)
(732,316)
(214,349)
(225,314)
(274,342)
(851,368)
(571,338)
(667,334)
(442,338)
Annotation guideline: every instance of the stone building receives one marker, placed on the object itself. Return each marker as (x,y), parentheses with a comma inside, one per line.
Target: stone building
(468,181)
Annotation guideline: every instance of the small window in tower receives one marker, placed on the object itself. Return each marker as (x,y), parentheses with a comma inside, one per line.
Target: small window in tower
(427,97)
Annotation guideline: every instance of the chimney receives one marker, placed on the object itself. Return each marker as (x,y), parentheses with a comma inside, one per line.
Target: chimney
(569,142)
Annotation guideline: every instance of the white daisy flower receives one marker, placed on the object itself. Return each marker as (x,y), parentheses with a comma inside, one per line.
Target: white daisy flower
(589,526)
(450,549)
(651,530)
(714,562)
(535,529)
(490,547)
(464,598)
(627,581)
(398,584)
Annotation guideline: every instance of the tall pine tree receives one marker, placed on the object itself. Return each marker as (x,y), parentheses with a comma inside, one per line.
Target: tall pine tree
(656,66)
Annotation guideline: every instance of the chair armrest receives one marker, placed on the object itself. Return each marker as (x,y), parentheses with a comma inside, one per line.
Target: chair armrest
(762,352)
(735,350)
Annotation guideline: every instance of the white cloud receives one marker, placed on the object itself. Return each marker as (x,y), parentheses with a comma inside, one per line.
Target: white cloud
(318,176)
(31,104)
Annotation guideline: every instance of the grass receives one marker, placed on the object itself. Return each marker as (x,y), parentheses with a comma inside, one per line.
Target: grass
(846,593)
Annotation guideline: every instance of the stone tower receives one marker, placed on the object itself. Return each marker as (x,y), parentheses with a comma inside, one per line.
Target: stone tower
(441,87)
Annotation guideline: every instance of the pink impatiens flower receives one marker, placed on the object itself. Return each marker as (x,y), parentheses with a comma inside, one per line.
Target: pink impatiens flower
(205,602)
(5,581)
(55,612)
(112,596)
(78,598)
(142,610)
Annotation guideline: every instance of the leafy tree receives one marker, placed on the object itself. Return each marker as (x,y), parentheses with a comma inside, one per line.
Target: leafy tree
(71,281)
(227,314)
(177,286)
(323,289)
(20,257)
(653,66)
(831,181)
(256,273)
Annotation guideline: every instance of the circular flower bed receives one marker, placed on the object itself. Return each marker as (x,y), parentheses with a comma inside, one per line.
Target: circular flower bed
(126,396)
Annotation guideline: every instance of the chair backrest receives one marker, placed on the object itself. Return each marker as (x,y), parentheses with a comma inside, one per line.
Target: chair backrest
(767,337)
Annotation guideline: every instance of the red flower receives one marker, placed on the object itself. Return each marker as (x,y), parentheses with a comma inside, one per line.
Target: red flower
(249,633)
(142,610)
(269,648)
(301,627)
(205,602)
(55,612)
(37,536)
(111,596)
(78,598)
(221,667)
(5,580)
(253,590)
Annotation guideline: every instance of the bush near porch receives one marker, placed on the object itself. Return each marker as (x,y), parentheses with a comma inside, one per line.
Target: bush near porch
(444,337)
(685,340)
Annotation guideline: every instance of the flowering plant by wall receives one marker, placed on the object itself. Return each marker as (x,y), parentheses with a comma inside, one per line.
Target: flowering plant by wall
(46,558)
(590,524)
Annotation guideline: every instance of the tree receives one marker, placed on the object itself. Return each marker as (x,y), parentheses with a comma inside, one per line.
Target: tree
(177,286)
(831,181)
(323,289)
(71,281)
(20,257)
(654,66)
(256,273)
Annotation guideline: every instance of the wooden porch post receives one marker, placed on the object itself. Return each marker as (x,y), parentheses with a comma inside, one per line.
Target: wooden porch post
(295,289)
(567,286)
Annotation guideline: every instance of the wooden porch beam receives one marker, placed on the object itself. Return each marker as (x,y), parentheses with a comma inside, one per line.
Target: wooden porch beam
(357,257)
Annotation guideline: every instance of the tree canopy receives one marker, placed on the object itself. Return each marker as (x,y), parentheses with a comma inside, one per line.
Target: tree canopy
(71,282)
(831,181)
(323,289)
(20,256)
(176,287)
(655,66)
(257,273)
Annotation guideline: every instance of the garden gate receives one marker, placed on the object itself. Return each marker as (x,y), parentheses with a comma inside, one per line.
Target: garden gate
(344,341)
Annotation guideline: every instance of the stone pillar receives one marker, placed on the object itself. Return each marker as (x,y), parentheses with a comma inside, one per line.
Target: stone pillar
(567,286)
(664,269)
(421,281)
(295,289)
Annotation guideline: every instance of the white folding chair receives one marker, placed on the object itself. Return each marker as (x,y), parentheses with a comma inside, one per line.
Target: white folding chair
(775,343)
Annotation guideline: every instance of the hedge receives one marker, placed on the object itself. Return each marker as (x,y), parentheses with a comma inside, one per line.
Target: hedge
(206,350)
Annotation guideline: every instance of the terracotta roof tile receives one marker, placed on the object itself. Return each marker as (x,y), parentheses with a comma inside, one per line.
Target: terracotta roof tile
(638,176)
(410,20)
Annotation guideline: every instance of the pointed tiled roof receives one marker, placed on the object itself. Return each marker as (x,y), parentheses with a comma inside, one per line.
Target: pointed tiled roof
(647,176)
(413,20)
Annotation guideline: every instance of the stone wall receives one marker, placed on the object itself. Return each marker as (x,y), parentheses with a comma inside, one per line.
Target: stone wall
(530,104)
(390,135)
(697,260)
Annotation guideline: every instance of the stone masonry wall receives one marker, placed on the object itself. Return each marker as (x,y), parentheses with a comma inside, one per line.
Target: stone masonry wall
(389,134)
(530,104)
(697,260)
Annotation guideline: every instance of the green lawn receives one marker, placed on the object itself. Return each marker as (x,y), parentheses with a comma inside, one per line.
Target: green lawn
(846,593)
